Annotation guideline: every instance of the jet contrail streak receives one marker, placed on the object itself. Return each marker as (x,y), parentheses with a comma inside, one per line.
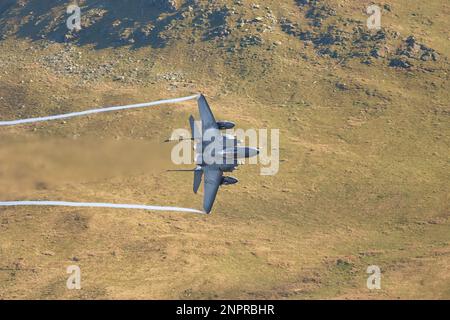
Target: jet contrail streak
(94,205)
(92,111)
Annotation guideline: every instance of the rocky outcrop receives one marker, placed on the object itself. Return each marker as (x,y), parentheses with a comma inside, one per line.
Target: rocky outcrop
(410,52)
(344,39)
(414,50)
(104,23)
(170,5)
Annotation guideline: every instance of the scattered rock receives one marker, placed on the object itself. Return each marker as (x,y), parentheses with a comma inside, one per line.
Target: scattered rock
(251,40)
(170,5)
(48,253)
(435,56)
(289,27)
(341,86)
(379,52)
(400,63)
(412,50)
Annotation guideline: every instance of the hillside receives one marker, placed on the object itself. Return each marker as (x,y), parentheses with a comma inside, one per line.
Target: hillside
(365,149)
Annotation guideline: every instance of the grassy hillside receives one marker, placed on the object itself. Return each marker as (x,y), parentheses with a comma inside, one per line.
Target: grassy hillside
(365,149)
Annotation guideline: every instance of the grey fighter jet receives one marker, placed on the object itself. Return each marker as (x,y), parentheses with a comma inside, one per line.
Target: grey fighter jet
(214,153)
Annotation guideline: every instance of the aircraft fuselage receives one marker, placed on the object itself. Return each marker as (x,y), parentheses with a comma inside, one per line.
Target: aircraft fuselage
(222,152)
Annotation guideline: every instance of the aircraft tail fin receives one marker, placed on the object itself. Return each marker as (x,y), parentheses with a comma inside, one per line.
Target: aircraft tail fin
(195,131)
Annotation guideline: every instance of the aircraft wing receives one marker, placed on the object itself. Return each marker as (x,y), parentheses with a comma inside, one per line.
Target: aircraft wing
(208,121)
(213,180)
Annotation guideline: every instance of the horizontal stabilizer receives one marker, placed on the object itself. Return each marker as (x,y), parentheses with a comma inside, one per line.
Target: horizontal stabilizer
(178,140)
(197,179)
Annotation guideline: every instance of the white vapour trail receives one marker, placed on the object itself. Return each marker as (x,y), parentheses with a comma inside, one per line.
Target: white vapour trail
(87,204)
(100,110)
(94,205)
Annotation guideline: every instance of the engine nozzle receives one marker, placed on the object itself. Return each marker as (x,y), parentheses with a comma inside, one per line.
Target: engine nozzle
(229,180)
(225,125)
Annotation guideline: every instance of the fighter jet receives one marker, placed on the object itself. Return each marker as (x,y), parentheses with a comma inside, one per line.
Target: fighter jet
(214,153)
